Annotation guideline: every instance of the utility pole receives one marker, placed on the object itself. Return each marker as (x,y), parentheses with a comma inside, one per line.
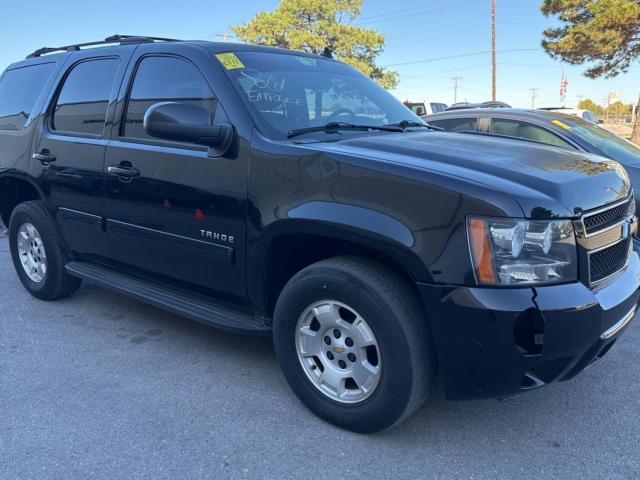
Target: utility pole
(493,50)
(533,96)
(225,36)
(455,88)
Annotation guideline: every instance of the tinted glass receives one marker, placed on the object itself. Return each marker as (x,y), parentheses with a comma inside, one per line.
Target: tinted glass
(82,104)
(613,146)
(455,124)
(165,79)
(512,128)
(288,92)
(19,90)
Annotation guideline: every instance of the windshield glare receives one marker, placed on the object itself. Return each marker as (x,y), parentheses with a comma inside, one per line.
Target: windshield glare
(613,146)
(288,92)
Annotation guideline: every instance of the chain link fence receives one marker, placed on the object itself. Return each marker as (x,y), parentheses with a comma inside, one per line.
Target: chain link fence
(609,118)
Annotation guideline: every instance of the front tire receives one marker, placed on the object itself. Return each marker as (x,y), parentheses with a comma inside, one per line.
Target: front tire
(37,254)
(353,342)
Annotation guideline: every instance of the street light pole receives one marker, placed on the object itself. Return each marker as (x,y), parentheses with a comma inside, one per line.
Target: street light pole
(493,50)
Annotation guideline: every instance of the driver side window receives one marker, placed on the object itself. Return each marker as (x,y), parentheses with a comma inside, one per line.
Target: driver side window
(164,79)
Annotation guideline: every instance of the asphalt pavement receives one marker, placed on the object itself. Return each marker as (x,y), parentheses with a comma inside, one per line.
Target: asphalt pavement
(101,386)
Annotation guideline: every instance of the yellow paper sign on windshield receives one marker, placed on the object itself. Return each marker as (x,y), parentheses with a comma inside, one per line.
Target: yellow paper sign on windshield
(561,124)
(229,60)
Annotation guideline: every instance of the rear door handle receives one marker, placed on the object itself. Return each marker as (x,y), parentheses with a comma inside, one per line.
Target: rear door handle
(123,171)
(44,156)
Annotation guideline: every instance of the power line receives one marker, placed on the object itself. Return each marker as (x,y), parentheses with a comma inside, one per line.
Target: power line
(484,52)
(225,36)
(431,75)
(409,12)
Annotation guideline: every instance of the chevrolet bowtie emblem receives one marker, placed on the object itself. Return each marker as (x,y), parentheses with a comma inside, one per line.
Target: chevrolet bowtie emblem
(338,350)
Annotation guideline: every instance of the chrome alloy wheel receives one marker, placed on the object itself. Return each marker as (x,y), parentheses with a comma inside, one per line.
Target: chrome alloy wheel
(32,254)
(338,351)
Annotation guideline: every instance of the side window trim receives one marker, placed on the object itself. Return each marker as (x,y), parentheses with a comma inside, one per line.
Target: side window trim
(118,134)
(48,122)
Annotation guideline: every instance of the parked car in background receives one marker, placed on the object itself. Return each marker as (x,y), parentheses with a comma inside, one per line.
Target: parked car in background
(578,112)
(489,104)
(425,107)
(545,126)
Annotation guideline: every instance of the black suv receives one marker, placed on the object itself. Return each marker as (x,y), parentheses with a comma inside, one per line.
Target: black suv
(268,191)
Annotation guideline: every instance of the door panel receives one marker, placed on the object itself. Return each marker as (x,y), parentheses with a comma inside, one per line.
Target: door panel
(174,219)
(72,135)
(183,215)
(76,191)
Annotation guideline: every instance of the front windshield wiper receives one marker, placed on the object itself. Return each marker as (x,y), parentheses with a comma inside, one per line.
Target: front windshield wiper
(411,124)
(334,127)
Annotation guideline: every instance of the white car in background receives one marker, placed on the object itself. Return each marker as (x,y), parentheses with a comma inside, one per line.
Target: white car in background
(578,112)
(425,107)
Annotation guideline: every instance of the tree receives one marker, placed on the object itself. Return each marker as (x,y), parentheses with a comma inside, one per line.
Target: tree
(588,104)
(603,33)
(620,109)
(313,25)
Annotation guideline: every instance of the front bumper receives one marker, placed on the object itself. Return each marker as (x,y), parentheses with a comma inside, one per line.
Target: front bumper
(492,342)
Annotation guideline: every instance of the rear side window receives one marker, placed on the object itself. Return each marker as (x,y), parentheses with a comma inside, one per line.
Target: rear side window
(456,124)
(438,107)
(512,128)
(19,90)
(165,79)
(82,103)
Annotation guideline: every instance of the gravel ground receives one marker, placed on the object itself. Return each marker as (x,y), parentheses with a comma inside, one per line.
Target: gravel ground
(102,386)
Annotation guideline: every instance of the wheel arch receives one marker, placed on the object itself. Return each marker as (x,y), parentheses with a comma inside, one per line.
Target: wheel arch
(290,245)
(16,188)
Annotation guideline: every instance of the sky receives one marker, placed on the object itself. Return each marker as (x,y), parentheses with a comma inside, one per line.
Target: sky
(428,42)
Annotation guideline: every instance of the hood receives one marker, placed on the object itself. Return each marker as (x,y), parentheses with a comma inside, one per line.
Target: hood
(546,181)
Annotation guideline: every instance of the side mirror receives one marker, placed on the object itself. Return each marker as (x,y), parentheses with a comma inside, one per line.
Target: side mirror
(600,120)
(184,122)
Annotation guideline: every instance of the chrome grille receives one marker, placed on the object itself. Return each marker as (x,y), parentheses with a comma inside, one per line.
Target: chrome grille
(603,219)
(609,260)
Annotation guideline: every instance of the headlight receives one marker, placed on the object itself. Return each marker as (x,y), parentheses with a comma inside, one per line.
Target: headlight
(508,251)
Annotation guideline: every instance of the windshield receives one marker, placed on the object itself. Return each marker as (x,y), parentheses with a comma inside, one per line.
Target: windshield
(288,92)
(613,146)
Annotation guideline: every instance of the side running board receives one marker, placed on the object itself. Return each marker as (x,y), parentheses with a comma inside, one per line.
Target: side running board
(190,305)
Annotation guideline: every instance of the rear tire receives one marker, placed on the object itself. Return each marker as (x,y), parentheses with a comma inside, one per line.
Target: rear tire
(384,307)
(37,254)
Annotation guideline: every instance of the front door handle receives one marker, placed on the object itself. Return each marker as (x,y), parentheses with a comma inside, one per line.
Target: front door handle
(124,172)
(44,156)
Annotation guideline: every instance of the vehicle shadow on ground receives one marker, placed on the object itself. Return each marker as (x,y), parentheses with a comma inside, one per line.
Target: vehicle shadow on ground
(531,413)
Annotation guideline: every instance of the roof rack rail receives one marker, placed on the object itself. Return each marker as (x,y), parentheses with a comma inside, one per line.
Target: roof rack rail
(120,39)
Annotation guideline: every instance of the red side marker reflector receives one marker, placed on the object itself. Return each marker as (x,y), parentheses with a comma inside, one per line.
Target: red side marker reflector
(200,215)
